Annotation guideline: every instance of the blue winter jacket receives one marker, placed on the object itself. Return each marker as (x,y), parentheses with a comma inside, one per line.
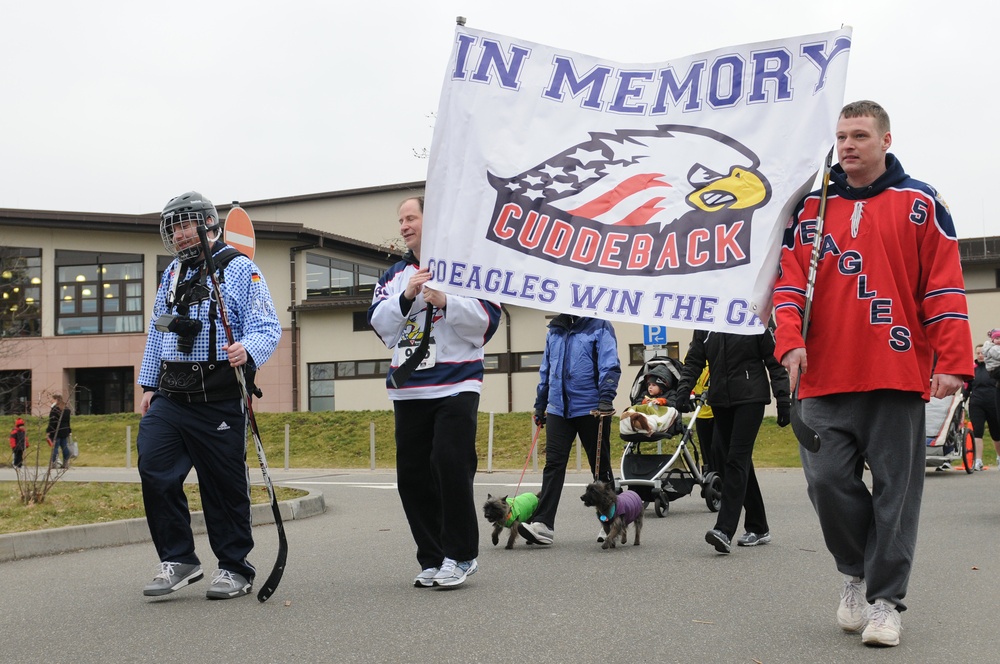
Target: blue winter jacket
(580,367)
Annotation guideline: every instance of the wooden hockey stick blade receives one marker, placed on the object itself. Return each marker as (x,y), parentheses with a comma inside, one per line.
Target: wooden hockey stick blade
(274,578)
(807,438)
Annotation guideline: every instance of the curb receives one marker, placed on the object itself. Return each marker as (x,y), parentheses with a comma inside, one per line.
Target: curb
(19,546)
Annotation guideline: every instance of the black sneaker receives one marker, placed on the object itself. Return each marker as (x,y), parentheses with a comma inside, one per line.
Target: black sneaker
(536,532)
(226,585)
(719,540)
(172,576)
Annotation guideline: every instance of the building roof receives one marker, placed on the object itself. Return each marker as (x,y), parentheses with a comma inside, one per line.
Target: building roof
(150,223)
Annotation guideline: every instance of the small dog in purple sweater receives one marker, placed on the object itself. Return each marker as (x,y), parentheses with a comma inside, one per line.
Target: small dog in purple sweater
(615,511)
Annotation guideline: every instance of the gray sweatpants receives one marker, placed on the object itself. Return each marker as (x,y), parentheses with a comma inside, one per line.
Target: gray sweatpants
(870,534)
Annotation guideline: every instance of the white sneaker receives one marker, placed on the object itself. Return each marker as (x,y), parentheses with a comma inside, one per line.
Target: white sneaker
(453,573)
(884,625)
(426,578)
(853,605)
(978,465)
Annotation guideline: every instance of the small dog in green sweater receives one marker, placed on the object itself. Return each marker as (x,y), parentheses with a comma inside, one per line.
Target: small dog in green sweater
(508,513)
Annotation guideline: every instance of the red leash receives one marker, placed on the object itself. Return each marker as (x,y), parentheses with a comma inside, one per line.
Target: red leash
(534,439)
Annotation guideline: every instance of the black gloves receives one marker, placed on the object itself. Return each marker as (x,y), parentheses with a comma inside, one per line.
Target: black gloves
(684,405)
(784,414)
(606,408)
(539,418)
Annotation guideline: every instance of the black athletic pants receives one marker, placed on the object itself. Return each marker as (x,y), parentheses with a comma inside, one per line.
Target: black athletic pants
(211,437)
(736,430)
(560,433)
(435,469)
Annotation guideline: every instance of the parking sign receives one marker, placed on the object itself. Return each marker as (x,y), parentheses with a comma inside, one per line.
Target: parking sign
(654,335)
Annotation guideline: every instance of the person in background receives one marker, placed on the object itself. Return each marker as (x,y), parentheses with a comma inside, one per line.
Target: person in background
(58,431)
(889,295)
(18,442)
(436,408)
(738,391)
(982,394)
(579,375)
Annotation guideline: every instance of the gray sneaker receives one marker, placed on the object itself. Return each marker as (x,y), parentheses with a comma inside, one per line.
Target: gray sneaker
(226,585)
(453,573)
(426,578)
(536,532)
(753,539)
(171,577)
(719,540)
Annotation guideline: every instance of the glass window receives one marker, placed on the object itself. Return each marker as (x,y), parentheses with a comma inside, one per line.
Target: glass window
(98,292)
(496,362)
(20,292)
(333,277)
(529,361)
(321,386)
(637,353)
(322,377)
(15,392)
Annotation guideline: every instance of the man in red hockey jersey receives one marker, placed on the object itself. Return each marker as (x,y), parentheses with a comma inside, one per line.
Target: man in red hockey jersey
(889,297)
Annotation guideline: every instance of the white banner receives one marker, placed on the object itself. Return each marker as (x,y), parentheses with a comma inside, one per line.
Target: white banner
(645,193)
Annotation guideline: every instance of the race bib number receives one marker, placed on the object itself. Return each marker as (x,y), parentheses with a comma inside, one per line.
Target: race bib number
(408,348)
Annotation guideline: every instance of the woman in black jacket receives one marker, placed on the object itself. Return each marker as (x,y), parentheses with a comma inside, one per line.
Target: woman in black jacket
(58,431)
(737,391)
(982,394)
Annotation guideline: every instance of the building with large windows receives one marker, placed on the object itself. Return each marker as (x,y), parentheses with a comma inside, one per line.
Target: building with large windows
(76,290)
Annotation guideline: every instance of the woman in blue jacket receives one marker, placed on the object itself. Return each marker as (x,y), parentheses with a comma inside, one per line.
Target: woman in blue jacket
(579,374)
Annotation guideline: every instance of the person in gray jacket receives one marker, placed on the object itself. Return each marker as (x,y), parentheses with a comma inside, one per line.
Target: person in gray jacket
(579,375)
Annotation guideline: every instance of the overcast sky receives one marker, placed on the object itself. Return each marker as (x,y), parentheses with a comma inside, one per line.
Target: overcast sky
(116,106)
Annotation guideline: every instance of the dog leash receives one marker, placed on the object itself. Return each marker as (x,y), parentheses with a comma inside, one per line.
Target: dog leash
(600,437)
(534,439)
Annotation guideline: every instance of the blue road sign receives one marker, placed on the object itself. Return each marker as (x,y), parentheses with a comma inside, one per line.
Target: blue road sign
(654,335)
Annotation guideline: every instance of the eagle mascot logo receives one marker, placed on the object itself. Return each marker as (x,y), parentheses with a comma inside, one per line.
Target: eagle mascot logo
(675,199)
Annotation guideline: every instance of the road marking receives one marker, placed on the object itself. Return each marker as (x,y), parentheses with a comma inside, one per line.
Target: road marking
(393,485)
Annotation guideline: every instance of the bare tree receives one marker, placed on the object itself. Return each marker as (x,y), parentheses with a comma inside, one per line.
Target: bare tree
(424,153)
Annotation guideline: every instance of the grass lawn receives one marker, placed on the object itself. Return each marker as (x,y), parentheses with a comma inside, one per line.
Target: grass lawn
(78,503)
(317,440)
(342,440)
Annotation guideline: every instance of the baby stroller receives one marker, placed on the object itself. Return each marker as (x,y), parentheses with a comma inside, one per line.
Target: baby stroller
(949,433)
(661,478)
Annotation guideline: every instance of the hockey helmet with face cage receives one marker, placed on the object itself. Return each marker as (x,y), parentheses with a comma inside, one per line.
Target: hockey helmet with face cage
(188,211)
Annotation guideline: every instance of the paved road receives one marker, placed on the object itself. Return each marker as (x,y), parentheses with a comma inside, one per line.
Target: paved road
(346,595)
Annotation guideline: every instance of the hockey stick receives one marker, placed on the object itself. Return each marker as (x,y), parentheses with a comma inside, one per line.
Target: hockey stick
(272,581)
(807,437)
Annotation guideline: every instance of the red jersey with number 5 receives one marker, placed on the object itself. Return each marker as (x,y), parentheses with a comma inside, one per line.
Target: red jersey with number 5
(889,294)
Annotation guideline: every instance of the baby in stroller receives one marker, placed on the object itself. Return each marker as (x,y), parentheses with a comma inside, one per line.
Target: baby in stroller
(650,413)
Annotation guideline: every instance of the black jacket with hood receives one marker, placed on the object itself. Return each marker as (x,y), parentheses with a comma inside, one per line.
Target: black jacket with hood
(739,367)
